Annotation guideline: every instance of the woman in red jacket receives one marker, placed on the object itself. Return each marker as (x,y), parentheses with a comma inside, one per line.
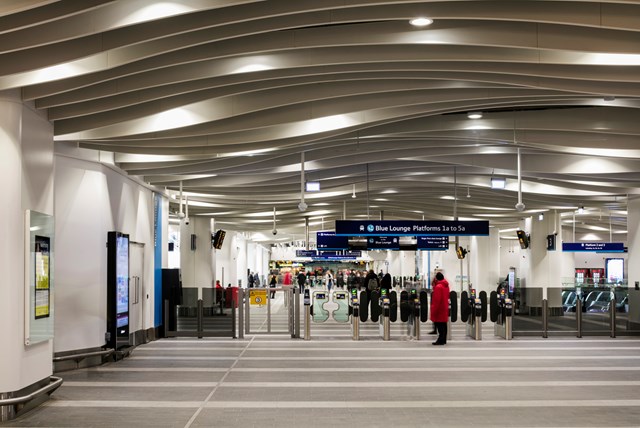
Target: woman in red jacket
(440,308)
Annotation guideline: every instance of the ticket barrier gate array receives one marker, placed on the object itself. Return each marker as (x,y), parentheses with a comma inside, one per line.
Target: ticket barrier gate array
(473,311)
(501,314)
(355,307)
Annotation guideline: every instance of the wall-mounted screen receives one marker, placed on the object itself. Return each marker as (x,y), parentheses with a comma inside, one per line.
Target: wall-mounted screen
(42,253)
(122,279)
(614,270)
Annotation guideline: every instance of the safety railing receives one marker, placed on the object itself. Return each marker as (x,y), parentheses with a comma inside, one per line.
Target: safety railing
(9,406)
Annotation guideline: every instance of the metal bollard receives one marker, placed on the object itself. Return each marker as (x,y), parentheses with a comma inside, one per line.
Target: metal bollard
(478,319)
(416,320)
(386,323)
(579,317)
(545,318)
(508,319)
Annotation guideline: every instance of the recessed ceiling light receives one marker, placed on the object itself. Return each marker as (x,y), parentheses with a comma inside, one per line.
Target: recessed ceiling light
(498,183)
(421,22)
(474,115)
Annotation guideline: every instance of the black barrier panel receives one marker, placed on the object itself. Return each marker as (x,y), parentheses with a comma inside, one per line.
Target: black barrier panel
(493,306)
(405,309)
(424,306)
(364,306)
(483,303)
(465,309)
(453,299)
(376,310)
(393,306)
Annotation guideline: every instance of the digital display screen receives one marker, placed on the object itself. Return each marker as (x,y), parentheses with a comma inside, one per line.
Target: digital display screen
(615,270)
(122,281)
(42,277)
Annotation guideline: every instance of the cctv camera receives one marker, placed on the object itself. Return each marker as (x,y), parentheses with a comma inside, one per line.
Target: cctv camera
(186,221)
(181,215)
(302,206)
(274,231)
(520,206)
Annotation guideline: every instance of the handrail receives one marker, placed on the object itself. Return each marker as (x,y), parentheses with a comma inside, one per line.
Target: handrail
(83,355)
(57,381)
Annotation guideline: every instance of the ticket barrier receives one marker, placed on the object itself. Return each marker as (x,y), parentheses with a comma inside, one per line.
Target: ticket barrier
(385,322)
(413,327)
(355,314)
(472,310)
(502,314)
(307,314)
(341,314)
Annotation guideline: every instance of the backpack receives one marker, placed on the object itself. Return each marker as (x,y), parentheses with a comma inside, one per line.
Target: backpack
(372,284)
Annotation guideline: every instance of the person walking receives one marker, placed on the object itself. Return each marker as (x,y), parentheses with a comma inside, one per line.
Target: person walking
(302,278)
(440,308)
(385,283)
(329,281)
(272,284)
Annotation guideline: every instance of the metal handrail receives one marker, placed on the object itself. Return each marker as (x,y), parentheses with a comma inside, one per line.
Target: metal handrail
(57,381)
(83,355)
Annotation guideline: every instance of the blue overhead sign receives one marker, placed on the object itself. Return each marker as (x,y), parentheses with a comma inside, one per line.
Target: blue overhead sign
(306,253)
(440,243)
(411,228)
(594,247)
(383,243)
(329,241)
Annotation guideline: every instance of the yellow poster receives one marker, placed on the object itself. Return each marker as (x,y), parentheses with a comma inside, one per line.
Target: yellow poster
(258,297)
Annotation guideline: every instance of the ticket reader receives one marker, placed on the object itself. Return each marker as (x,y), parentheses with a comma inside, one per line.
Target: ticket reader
(341,314)
(355,315)
(414,318)
(385,322)
(474,322)
(307,314)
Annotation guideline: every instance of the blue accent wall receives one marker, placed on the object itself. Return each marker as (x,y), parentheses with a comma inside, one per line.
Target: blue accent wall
(157,260)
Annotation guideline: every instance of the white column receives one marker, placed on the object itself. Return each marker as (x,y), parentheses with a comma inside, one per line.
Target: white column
(633,240)
(26,172)
(484,254)
(196,266)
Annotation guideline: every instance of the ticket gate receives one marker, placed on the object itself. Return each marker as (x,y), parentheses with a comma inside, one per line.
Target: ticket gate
(355,314)
(318,312)
(385,322)
(453,312)
(472,312)
(501,308)
(307,314)
(413,327)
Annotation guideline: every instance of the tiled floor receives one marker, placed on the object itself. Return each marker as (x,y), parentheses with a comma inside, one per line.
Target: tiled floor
(332,381)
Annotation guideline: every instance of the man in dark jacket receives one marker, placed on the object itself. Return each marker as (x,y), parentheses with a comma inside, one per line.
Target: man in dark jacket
(440,308)
(302,278)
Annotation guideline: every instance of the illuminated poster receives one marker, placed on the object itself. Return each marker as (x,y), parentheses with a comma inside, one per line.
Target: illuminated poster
(122,281)
(42,277)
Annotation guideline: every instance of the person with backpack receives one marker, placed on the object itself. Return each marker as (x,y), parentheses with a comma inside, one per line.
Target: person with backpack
(302,278)
(371,283)
(329,281)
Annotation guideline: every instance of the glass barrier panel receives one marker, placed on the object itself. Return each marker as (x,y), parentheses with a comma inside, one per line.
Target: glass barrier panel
(627,310)
(217,319)
(187,311)
(527,316)
(595,309)
(562,310)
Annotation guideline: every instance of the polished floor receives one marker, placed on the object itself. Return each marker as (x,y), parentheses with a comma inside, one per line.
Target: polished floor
(270,380)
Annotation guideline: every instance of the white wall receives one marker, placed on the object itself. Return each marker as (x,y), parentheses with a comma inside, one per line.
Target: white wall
(91,200)
(27,173)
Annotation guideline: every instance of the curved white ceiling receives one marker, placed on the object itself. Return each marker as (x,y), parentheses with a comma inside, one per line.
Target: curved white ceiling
(225,95)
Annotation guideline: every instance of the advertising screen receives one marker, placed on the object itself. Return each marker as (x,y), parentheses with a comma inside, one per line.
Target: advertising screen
(615,270)
(42,276)
(122,278)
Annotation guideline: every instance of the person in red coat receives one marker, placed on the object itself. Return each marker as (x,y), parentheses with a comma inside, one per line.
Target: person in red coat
(440,308)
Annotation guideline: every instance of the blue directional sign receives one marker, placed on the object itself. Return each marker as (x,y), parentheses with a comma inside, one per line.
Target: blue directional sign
(593,247)
(329,241)
(438,243)
(383,243)
(411,228)
(306,253)
(353,253)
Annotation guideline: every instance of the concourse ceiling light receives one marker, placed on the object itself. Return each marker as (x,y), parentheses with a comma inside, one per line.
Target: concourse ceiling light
(474,115)
(498,183)
(421,22)
(541,216)
(312,186)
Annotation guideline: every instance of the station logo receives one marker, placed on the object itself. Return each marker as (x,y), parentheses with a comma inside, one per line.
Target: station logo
(370,228)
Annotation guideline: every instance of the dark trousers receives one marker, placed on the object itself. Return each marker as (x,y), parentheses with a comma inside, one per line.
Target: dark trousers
(441,328)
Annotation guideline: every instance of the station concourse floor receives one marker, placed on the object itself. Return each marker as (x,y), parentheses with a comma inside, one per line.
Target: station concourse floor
(332,381)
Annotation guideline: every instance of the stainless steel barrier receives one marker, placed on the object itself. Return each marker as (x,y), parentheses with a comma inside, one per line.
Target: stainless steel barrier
(9,406)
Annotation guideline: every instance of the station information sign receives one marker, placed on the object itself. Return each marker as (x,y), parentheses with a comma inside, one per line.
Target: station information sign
(383,243)
(306,253)
(411,228)
(593,247)
(329,241)
(433,243)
